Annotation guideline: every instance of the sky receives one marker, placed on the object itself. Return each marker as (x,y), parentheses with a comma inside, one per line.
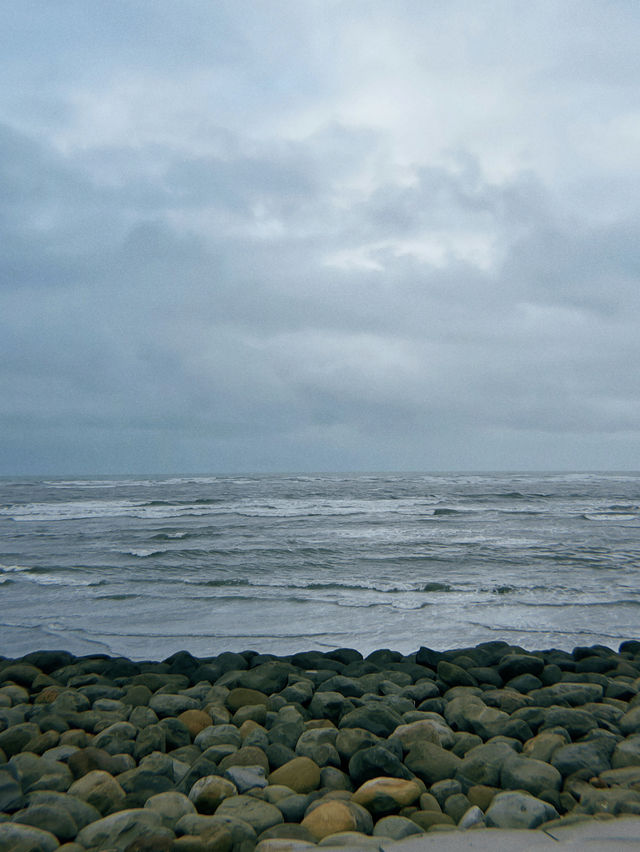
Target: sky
(319,235)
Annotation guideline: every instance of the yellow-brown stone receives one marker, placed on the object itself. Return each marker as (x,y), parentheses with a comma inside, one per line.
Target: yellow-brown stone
(301,774)
(195,721)
(386,795)
(242,696)
(330,818)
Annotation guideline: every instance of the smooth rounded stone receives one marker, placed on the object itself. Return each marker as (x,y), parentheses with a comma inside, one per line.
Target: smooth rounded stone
(301,692)
(428,802)
(329,705)
(171,806)
(626,752)
(423,730)
(302,775)
(136,695)
(347,686)
(286,733)
(472,818)
(209,792)
(243,697)
(313,737)
(485,675)
(396,827)
(245,756)
(287,830)
(481,795)
(577,722)
(40,773)
(149,739)
(246,777)
(218,735)
(526,773)
(458,708)
(293,807)
(421,690)
(353,841)
(606,713)
(454,675)
(625,776)
(11,797)
(580,756)
(543,746)
(431,763)
(140,784)
(167,704)
(568,694)
(176,733)
(483,764)
(456,806)
(259,814)
(518,810)
(81,812)
(117,738)
(351,740)
(378,761)
(15,738)
(74,737)
(378,719)
(514,665)
(16,838)
(43,742)
(48,817)
(330,817)
(99,789)
(464,742)
(628,724)
(21,673)
(278,754)
(332,778)
(195,721)
(524,683)
(427,819)
(383,795)
(269,677)
(612,801)
(122,829)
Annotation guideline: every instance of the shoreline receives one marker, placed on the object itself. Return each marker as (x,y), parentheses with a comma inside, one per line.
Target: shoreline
(279,753)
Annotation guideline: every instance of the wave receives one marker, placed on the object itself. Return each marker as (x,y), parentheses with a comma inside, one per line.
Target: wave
(610,516)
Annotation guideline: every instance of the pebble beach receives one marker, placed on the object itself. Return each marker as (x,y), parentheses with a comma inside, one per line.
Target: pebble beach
(244,751)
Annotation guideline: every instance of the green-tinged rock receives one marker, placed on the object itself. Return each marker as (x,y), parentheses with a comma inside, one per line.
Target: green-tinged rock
(329,705)
(48,817)
(526,773)
(577,722)
(81,812)
(576,757)
(351,740)
(518,810)
(99,789)
(626,752)
(456,806)
(513,665)
(454,675)
(209,792)
(25,838)
(287,830)
(379,761)
(567,694)
(15,738)
(259,814)
(610,801)
(432,763)
(171,806)
(483,764)
(267,678)
(245,756)
(427,819)
(120,830)
(40,773)
(218,735)
(629,723)
(396,827)
(11,796)
(376,718)
(543,746)
(242,697)
(167,704)
(422,730)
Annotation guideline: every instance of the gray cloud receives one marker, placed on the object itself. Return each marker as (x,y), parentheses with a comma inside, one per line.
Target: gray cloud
(223,245)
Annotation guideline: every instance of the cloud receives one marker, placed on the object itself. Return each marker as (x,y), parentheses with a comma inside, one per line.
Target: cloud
(341,236)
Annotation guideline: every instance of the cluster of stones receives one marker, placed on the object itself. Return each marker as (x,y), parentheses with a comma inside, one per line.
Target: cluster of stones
(248,751)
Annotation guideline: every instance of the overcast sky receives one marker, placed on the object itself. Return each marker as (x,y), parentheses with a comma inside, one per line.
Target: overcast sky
(287,235)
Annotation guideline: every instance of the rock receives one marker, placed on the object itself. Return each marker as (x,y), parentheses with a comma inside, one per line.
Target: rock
(260,815)
(171,806)
(49,818)
(567,694)
(99,789)
(580,756)
(267,678)
(11,798)
(525,773)
(613,801)
(423,730)
(483,764)
(626,752)
(40,773)
(427,819)
(329,705)
(167,704)
(195,721)
(378,719)
(246,777)
(81,812)
(481,795)
(117,739)
(577,722)
(473,818)
(124,828)
(350,740)
(242,697)
(16,838)
(431,763)
(15,738)
(218,735)
(302,775)
(628,724)
(543,746)
(513,665)
(378,761)
(396,827)
(518,810)
(176,733)
(453,675)
(329,818)
(382,796)
(456,806)
(290,831)
(209,792)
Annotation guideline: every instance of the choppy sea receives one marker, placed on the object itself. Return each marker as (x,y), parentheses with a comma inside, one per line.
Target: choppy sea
(143,567)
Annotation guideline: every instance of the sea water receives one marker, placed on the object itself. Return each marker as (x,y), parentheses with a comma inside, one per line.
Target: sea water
(144,567)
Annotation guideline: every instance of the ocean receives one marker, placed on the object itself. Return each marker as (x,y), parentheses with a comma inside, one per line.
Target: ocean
(143,567)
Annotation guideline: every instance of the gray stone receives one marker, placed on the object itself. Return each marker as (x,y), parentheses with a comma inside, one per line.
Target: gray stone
(49,818)
(483,764)
(39,773)
(580,756)
(171,806)
(627,752)
(329,705)
(11,798)
(123,828)
(454,675)
(396,827)
(260,815)
(81,812)
(218,735)
(518,810)
(432,763)
(247,777)
(630,722)
(513,665)
(25,838)
(577,722)
(376,718)
(167,704)
(525,773)
(378,761)
(473,818)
